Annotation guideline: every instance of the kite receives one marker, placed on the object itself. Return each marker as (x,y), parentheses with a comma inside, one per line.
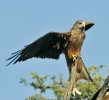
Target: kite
(52,44)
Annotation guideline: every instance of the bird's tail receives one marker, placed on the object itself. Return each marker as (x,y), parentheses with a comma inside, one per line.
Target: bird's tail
(82,71)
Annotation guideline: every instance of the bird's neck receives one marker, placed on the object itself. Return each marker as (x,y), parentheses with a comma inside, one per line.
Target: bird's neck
(76,30)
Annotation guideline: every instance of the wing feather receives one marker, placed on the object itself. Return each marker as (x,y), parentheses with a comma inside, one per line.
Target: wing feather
(51,45)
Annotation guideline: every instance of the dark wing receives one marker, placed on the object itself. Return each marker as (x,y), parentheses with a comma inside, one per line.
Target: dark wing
(101,93)
(50,45)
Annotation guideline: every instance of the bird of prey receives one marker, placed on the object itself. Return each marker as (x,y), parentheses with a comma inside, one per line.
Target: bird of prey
(103,92)
(52,44)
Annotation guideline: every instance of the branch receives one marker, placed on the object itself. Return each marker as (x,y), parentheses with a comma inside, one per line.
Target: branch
(72,80)
(78,71)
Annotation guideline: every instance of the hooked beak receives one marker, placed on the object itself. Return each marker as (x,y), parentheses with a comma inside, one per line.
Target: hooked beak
(88,25)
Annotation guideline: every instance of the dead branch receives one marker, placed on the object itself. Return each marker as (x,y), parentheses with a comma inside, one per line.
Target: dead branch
(72,81)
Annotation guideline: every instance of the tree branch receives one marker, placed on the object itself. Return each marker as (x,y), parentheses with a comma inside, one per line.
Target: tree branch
(78,71)
(72,80)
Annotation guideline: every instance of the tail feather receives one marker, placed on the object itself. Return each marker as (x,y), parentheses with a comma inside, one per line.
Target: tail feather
(84,73)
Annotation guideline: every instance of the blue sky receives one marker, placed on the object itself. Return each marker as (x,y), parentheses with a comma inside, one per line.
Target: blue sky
(23,21)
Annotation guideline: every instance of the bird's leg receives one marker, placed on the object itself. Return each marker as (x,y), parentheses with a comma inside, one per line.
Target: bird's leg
(74,58)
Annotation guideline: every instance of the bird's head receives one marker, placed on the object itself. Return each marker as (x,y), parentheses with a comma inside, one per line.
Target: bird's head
(82,25)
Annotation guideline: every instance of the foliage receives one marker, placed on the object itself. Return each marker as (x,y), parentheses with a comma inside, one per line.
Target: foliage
(58,85)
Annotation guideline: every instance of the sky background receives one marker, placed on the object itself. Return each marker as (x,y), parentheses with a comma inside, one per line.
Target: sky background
(23,21)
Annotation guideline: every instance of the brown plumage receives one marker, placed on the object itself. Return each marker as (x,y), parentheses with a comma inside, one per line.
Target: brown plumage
(52,44)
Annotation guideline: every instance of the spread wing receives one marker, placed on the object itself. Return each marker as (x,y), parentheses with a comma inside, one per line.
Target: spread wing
(50,45)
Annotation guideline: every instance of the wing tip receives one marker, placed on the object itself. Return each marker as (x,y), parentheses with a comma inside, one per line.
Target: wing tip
(15,58)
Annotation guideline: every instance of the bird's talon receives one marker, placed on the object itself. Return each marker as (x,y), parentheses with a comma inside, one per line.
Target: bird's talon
(75,57)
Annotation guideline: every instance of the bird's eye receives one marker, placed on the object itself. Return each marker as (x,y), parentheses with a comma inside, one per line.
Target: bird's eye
(80,22)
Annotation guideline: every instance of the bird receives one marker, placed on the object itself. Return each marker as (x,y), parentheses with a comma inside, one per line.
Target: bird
(52,44)
(103,92)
